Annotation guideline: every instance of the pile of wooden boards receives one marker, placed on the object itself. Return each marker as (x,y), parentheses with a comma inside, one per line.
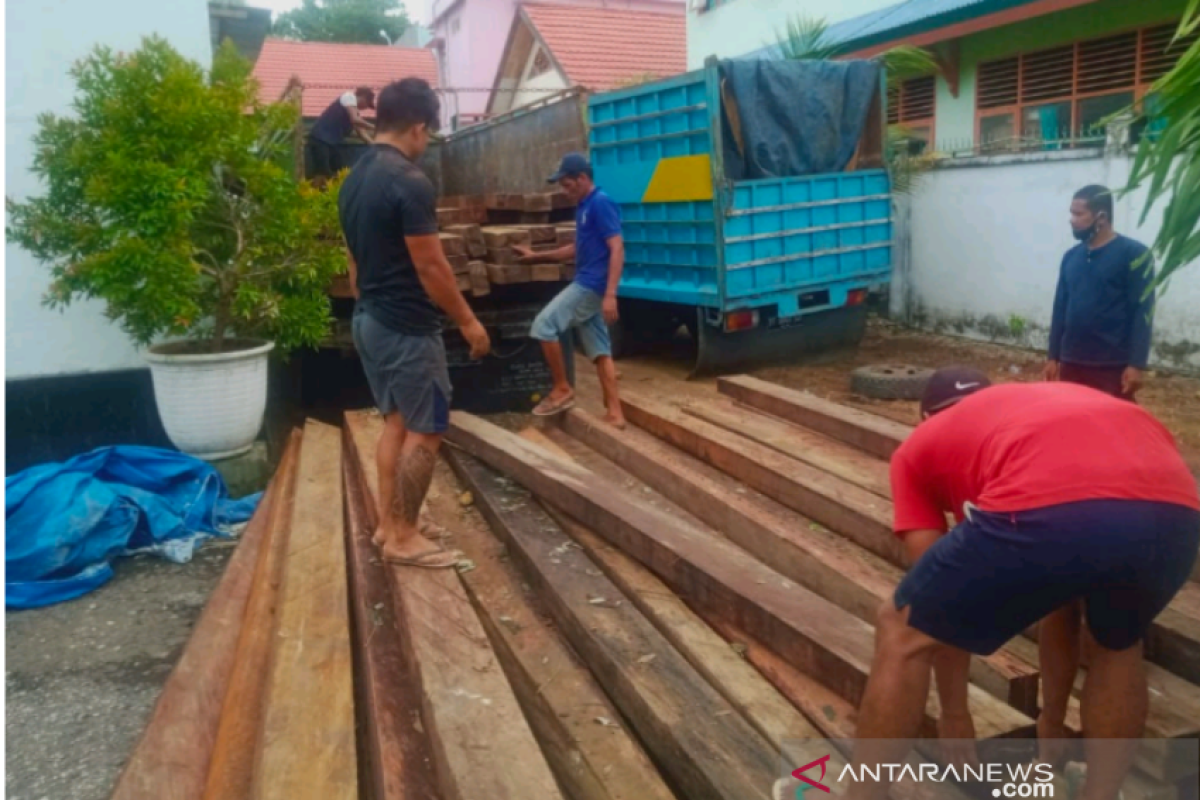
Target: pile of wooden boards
(672,610)
(483,257)
(479,232)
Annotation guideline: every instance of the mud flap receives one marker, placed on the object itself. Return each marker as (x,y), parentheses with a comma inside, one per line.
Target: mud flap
(719,352)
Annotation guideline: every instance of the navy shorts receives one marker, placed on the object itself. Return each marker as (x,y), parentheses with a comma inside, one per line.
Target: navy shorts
(996,574)
(408,374)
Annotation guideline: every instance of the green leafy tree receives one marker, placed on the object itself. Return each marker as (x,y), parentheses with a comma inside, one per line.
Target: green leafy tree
(170,196)
(1168,163)
(807,39)
(348,21)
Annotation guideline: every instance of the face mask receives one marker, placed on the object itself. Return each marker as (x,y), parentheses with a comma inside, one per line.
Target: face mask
(1086,234)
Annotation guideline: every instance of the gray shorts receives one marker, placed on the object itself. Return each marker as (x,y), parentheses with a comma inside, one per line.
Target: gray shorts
(579,308)
(408,374)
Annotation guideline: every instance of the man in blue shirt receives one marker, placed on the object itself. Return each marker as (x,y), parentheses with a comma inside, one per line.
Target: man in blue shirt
(1103,307)
(589,304)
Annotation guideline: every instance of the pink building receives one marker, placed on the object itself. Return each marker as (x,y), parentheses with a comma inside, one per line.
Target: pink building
(469,39)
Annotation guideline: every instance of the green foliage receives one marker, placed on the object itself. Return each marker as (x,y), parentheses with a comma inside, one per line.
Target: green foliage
(807,39)
(169,196)
(348,21)
(1170,162)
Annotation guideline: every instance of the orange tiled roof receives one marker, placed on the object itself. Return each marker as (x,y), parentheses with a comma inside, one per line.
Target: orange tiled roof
(327,70)
(600,47)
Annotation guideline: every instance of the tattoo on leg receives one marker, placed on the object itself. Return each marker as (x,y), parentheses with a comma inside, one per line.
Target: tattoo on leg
(416,473)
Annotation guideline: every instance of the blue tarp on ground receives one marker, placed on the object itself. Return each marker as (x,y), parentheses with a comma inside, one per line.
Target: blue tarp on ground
(798,117)
(67,522)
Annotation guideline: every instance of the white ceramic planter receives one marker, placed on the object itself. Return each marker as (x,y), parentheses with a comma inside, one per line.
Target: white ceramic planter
(211,404)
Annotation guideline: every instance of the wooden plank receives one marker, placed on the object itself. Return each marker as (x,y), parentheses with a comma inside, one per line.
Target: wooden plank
(500,236)
(802,444)
(874,434)
(459,264)
(477,275)
(833,716)
(761,705)
(540,234)
(482,745)
(452,244)
(533,218)
(712,574)
(463,282)
(862,517)
(798,548)
(172,756)
(504,274)
(308,747)
(545,272)
(564,235)
(501,255)
(536,201)
(704,746)
(231,771)
(558,695)
(398,763)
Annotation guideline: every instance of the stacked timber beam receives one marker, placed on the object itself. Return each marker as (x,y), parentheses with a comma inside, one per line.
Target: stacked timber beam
(774,529)
(674,610)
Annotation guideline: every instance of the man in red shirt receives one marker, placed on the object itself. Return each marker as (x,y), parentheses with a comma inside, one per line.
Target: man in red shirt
(1069,502)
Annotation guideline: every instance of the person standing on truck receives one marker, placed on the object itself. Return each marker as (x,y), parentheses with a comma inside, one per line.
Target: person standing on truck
(339,119)
(388,212)
(1101,328)
(589,304)
(1070,504)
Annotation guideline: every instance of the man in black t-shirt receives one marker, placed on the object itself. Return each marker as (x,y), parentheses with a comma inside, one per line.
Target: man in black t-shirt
(403,282)
(339,119)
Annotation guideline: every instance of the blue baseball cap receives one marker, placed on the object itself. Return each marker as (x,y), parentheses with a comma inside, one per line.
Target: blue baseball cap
(572,164)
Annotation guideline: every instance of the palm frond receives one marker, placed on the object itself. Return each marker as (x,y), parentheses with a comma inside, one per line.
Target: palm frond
(806,39)
(1166,164)
(904,62)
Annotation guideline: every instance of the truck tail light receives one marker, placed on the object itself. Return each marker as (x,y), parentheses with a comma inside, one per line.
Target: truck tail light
(741,320)
(856,297)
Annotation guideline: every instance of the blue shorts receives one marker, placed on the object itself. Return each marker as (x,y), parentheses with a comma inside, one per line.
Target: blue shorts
(575,307)
(996,574)
(408,373)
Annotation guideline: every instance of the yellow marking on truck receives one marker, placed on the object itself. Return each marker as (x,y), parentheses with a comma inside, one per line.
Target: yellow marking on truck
(680,179)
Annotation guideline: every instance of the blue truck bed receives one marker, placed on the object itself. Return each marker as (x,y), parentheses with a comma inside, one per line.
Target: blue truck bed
(729,258)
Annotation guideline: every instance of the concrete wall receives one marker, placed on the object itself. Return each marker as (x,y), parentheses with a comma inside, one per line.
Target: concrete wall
(986,242)
(738,27)
(43,39)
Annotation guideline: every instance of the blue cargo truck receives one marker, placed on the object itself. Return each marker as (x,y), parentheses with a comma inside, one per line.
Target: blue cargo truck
(758,268)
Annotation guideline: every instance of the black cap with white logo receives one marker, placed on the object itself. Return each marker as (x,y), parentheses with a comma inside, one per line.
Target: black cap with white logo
(949,385)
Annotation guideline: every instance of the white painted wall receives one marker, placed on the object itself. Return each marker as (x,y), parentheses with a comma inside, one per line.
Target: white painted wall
(43,39)
(987,241)
(739,27)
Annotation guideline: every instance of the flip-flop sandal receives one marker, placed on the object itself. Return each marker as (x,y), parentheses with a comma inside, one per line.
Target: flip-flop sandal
(426,560)
(548,408)
(426,527)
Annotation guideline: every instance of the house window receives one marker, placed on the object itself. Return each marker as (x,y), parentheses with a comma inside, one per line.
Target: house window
(912,105)
(1060,97)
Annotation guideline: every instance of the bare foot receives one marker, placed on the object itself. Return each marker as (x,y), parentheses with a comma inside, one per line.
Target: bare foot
(416,552)
(1052,742)
(426,527)
(617,420)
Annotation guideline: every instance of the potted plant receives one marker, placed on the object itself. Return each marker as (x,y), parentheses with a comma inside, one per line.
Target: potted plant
(171,197)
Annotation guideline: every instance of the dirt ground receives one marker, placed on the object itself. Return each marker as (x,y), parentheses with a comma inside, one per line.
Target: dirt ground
(1174,399)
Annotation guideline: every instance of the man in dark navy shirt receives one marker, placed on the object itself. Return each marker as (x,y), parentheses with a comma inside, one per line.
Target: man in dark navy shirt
(403,284)
(1103,307)
(589,304)
(339,119)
